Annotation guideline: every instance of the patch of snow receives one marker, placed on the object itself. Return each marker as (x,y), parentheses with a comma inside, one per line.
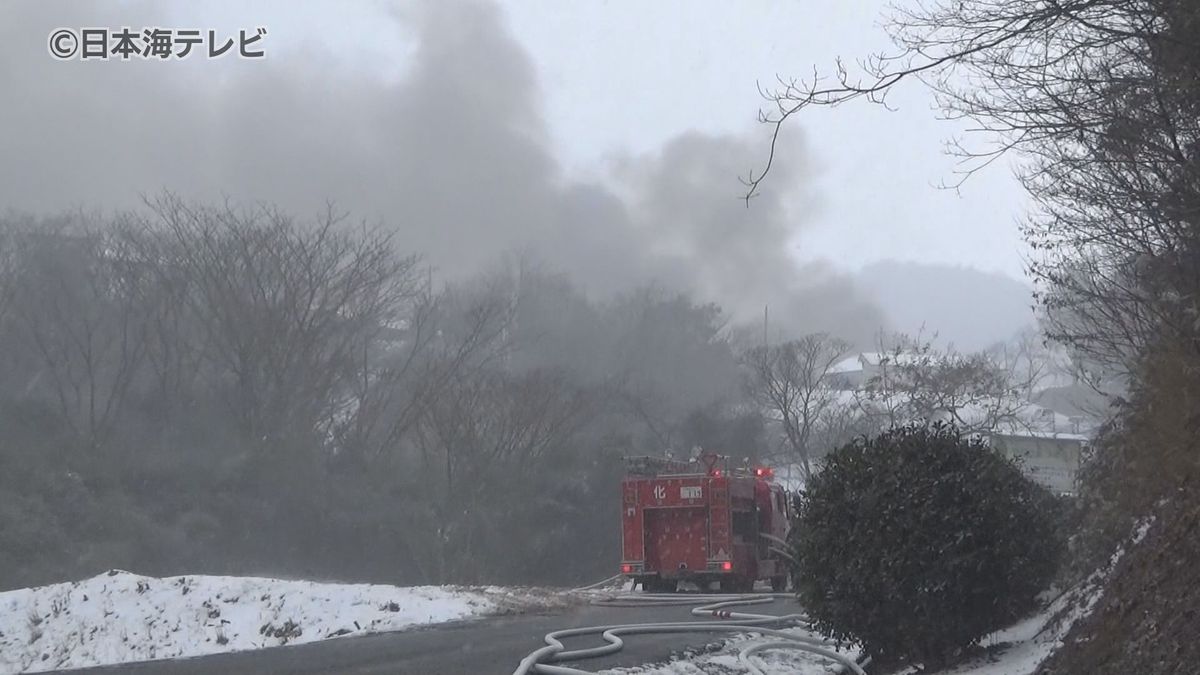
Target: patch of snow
(119,617)
(1020,659)
(1142,528)
(724,659)
(1021,648)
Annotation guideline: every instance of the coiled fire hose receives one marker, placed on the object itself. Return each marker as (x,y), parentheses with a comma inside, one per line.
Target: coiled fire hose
(715,606)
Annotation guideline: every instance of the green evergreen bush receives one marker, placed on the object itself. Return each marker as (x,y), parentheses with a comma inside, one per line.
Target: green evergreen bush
(918,542)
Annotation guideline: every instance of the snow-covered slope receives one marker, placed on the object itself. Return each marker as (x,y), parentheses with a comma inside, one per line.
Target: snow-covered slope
(118,617)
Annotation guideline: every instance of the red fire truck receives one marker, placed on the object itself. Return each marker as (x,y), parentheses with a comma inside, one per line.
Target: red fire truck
(700,522)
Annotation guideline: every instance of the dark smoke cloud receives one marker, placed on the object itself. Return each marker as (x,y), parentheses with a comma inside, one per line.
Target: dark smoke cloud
(455,156)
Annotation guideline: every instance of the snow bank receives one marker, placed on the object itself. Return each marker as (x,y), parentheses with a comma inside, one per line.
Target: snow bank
(118,617)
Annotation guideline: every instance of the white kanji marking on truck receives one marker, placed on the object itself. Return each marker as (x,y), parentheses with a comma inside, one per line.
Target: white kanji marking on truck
(660,492)
(690,492)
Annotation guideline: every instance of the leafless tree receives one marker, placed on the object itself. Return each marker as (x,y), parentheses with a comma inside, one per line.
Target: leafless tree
(916,383)
(1023,72)
(74,305)
(790,381)
(284,308)
(10,244)
(671,357)
(405,370)
(1030,360)
(1100,100)
(843,421)
(174,359)
(479,443)
(13,237)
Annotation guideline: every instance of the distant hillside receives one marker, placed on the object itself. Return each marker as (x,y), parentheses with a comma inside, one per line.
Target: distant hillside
(965,306)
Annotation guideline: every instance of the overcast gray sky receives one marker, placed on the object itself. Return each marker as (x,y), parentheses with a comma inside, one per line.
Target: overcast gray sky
(610,133)
(627,74)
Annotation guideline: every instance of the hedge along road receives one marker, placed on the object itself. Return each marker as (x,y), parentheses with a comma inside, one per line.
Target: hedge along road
(489,645)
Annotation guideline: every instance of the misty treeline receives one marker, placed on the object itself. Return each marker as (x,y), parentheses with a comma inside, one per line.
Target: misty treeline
(226,389)
(219,388)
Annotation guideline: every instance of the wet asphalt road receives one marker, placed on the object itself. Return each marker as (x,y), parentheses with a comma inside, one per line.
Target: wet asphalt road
(490,645)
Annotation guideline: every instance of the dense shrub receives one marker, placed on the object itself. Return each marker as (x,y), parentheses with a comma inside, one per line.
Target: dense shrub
(918,542)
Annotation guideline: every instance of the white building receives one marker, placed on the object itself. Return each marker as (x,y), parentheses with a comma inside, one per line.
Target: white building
(1049,458)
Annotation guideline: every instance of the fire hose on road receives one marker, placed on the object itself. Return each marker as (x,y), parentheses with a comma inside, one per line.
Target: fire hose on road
(598,584)
(710,606)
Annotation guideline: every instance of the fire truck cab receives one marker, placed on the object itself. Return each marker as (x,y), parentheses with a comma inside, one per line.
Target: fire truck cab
(700,522)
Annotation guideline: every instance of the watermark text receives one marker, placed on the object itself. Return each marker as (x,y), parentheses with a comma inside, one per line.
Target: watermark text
(124,44)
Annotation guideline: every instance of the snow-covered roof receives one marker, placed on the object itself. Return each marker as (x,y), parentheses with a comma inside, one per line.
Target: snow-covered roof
(902,358)
(850,364)
(1018,432)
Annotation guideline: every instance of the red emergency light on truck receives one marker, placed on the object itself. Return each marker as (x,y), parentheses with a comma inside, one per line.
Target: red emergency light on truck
(700,522)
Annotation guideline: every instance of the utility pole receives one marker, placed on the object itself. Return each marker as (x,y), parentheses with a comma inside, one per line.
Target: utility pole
(766,323)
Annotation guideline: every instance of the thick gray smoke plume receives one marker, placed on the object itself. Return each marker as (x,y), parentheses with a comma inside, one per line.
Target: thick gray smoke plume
(455,156)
